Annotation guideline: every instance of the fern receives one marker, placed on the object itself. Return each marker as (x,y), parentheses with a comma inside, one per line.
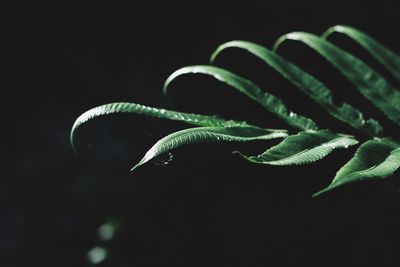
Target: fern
(304,142)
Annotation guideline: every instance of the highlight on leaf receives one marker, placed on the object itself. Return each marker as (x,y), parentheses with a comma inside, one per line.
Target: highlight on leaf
(247,87)
(132,108)
(303,148)
(209,134)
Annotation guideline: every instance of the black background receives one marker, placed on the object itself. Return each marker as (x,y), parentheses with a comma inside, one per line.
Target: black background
(207,207)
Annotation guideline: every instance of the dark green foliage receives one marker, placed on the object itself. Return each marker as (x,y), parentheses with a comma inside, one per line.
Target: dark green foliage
(315,89)
(368,82)
(378,157)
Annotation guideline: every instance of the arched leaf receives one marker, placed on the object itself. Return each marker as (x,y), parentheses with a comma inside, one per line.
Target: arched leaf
(123,107)
(389,59)
(303,148)
(369,83)
(375,159)
(208,134)
(307,83)
(270,102)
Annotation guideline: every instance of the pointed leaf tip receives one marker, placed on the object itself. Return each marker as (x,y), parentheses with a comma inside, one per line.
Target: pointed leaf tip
(208,134)
(374,159)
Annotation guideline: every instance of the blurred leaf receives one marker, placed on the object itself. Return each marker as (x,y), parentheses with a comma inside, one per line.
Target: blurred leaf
(389,59)
(369,82)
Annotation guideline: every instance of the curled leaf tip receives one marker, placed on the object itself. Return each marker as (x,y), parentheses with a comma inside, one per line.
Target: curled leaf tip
(135,167)
(279,41)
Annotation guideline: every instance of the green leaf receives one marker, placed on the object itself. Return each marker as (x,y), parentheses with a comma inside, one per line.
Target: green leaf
(303,148)
(308,84)
(270,102)
(389,59)
(374,159)
(209,134)
(369,83)
(123,107)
